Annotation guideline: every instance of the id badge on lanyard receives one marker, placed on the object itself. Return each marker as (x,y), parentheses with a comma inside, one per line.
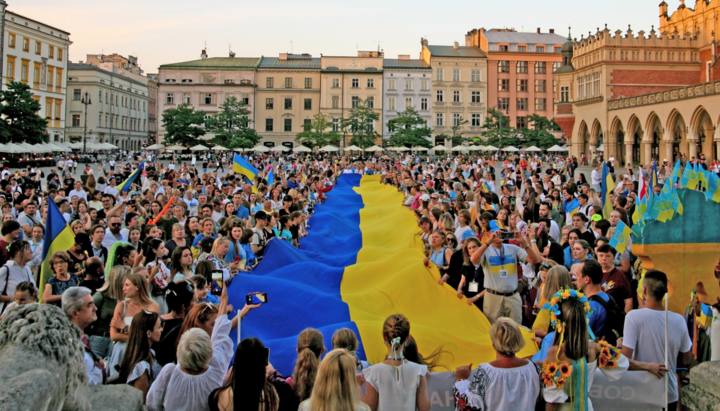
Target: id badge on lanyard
(503,272)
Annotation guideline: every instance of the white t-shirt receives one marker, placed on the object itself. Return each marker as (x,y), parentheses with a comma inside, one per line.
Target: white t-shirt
(644,332)
(396,386)
(595,177)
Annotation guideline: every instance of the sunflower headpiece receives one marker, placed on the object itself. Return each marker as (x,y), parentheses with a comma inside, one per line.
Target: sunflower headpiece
(553,307)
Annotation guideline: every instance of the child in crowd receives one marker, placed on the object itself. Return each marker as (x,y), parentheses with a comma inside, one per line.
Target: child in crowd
(203,291)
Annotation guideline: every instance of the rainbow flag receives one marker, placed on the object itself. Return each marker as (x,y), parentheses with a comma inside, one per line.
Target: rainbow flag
(58,237)
(375,255)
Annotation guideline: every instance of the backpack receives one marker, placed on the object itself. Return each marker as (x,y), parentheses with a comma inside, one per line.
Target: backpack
(614,320)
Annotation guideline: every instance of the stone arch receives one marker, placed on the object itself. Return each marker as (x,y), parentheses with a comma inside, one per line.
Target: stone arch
(582,141)
(701,136)
(676,131)
(633,141)
(617,133)
(597,139)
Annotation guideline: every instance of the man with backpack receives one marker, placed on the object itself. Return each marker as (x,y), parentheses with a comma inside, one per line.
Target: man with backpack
(606,318)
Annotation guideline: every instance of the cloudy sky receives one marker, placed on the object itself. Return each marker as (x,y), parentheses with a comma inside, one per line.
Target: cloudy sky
(164,31)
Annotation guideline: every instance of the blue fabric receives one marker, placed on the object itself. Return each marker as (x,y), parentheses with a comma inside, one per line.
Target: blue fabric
(199,238)
(303,285)
(232,253)
(242,212)
(545,346)
(598,315)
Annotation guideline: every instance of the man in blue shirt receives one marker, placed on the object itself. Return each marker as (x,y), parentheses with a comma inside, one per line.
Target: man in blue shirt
(590,282)
(292,183)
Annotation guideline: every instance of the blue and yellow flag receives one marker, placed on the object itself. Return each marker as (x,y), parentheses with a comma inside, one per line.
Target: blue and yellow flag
(485,187)
(58,237)
(653,176)
(607,188)
(620,237)
(572,207)
(125,186)
(713,191)
(254,188)
(270,178)
(240,165)
(690,177)
(705,316)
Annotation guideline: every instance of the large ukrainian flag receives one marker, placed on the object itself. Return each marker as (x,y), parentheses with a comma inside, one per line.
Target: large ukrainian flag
(361,262)
(58,237)
(241,166)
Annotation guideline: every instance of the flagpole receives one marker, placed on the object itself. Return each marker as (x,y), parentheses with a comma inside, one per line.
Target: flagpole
(667,376)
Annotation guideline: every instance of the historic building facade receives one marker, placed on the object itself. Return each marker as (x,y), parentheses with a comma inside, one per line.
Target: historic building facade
(206,83)
(345,80)
(406,83)
(288,96)
(647,96)
(459,87)
(118,113)
(36,54)
(520,70)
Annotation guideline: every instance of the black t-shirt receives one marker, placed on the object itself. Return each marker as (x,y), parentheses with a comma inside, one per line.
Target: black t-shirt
(166,352)
(76,264)
(283,212)
(93,285)
(589,237)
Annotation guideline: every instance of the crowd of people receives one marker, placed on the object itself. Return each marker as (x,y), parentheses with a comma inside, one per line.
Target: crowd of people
(138,280)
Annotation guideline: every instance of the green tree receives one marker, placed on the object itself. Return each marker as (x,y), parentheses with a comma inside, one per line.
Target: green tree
(318,132)
(359,123)
(539,133)
(231,125)
(409,130)
(183,125)
(457,134)
(497,131)
(20,121)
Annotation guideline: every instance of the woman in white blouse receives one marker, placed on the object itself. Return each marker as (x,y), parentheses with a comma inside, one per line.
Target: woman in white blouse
(508,383)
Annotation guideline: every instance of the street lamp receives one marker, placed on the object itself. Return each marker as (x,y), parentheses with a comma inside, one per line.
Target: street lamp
(85,101)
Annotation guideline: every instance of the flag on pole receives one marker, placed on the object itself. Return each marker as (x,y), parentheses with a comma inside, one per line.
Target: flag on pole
(713,191)
(254,188)
(620,237)
(58,237)
(653,176)
(270,178)
(607,188)
(241,166)
(690,177)
(125,186)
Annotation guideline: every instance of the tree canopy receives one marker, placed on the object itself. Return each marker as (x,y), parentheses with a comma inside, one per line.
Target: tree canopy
(20,121)
(409,129)
(231,125)
(360,123)
(183,125)
(318,132)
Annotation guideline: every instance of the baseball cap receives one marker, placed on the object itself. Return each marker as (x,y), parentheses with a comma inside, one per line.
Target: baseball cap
(425,197)
(494,226)
(596,217)
(261,215)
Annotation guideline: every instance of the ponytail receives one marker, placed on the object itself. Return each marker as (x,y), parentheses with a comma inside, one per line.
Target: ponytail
(310,348)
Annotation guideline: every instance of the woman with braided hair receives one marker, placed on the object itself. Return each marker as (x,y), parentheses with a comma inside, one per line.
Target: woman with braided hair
(396,383)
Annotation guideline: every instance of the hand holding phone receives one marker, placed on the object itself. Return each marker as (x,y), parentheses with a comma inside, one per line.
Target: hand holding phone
(216,286)
(256,298)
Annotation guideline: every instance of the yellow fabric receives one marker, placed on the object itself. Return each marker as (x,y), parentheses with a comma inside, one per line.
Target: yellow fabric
(542,321)
(390,277)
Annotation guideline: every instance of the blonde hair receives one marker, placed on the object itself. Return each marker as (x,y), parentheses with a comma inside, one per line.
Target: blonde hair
(557,278)
(217,243)
(114,282)
(345,338)
(310,347)
(335,387)
(194,349)
(139,281)
(506,336)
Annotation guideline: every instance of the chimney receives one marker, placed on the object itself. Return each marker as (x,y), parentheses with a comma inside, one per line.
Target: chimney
(283,57)
(203,55)
(538,30)
(403,57)
(552,31)
(455,45)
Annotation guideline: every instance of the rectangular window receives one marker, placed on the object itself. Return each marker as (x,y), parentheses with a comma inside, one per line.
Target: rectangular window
(439,74)
(100,96)
(522,67)
(51,52)
(186,98)
(456,96)
(288,82)
(424,103)
(58,109)
(557,49)
(370,102)
(48,108)
(268,124)
(521,85)
(540,104)
(438,119)
(371,83)
(269,103)
(424,85)
(408,102)
(76,120)
(564,94)
(336,83)
(391,84)
(26,44)
(475,76)
(170,98)
(288,124)
(288,103)
(11,40)
(540,67)
(504,47)
(335,101)
(245,99)
(521,49)
(456,119)
(557,65)
(521,122)
(11,70)
(38,48)
(60,54)
(270,82)
(391,103)
(307,104)
(58,78)
(539,49)
(456,74)
(475,97)
(503,66)
(408,85)
(207,98)
(354,101)
(475,120)
(355,83)
(77,94)
(335,124)
(503,84)
(24,71)
(307,122)
(503,103)
(521,103)
(439,96)
(308,82)
(541,86)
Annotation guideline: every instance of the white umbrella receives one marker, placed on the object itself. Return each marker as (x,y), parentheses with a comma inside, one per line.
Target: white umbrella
(459,148)
(240,149)
(42,148)
(219,148)
(12,148)
(199,147)
(399,149)
(175,147)
(281,148)
(329,148)
(532,148)
(353,148)
(28,148)
(154,147)
(510,149)
(301,149)
(53,147)
(601,148)
(440,148)
(476,148)
(565,148)
(374,148)
(207,136)
(419,148)
(490,148)
(259,149)
(555,148)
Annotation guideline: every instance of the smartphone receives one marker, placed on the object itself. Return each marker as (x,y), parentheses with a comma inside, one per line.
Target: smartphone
(507,235)
(260,298)
(217,282)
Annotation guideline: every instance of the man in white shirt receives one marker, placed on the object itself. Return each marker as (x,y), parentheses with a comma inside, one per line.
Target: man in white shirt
(595,178)
(113,233)
(78,306)
(110,189)
(78,191)
(644,333)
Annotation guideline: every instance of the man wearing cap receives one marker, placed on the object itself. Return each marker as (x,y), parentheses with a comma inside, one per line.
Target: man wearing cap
(259,238)
(499,262)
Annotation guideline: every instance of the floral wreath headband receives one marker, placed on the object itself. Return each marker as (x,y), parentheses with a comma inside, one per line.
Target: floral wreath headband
(553,307)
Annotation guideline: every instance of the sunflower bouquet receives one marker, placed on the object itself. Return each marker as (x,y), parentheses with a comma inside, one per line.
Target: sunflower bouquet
(555,373)
(607,359)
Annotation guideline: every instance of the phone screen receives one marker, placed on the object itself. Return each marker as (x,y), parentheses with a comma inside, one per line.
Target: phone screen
(259,298)
(217,282)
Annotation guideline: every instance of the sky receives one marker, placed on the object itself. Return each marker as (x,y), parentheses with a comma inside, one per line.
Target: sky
(163,31)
